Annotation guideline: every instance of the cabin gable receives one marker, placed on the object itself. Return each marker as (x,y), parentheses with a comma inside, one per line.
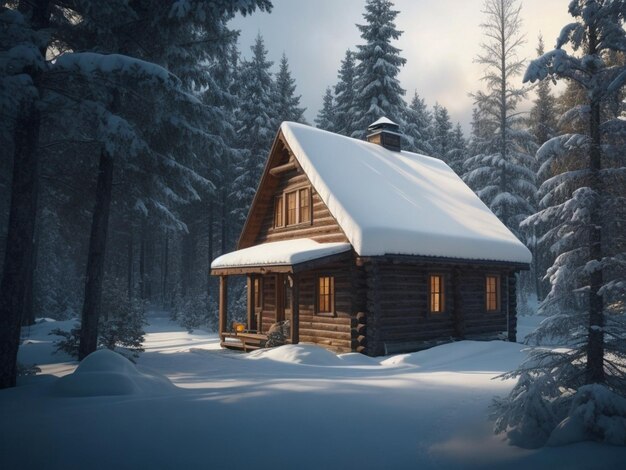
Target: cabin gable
(282,178)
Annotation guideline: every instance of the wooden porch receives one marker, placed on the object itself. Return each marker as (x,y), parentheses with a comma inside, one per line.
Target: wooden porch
(253,338)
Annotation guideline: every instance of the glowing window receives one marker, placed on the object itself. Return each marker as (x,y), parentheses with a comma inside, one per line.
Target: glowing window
(437,304)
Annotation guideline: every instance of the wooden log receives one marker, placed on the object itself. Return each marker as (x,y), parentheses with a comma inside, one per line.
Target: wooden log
(295,324)
(223,304)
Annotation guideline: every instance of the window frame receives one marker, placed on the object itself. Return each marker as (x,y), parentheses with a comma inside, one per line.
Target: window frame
(442,293)
(279,201)
(331,292)
(309,206)
(282,196)
(498,293)
(296,210)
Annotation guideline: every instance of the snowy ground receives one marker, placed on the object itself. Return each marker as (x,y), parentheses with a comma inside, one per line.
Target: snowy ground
(294,407)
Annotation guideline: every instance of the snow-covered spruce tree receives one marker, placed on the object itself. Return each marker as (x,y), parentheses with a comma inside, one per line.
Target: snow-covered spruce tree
(543,122)
(105,27)
(543,115)
(257,123)
(442,132)
(457,152)
(345,94)
(325,118)
(418,126)
(286,101)
(24,41)
(577,393)
(378,90)
(503,173)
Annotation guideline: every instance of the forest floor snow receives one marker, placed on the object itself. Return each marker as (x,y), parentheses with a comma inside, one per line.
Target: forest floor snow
(189,404)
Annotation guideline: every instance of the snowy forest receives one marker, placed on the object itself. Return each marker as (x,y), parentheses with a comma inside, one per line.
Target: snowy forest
(134,134)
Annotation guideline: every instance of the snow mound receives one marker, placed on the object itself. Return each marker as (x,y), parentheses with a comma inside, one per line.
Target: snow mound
(305,354)
(596,414)
(464,356)
(358,359)
(104,373)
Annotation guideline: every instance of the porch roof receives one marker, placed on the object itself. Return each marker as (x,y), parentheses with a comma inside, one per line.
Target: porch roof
(283,254)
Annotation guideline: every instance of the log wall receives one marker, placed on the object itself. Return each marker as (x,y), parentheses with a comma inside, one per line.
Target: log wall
(322,228)
(398,315)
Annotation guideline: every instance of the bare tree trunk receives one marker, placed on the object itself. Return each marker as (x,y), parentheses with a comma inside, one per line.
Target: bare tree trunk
(165,268)
(210,248)
(130,263)
(22,213)
(223,220)
(28,316)
(595,347)
(142,261)
(503,108)
(188,253)
(96,257)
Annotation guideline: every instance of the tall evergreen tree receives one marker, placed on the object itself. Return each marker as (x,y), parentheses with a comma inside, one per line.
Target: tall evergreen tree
(119,108)
(544,126)
(418,126)
(457,153)
(345,96)
(286,101)
(570,390)
(442,132)
(326,117)
(543,115)
(378,90)
(503,174)
(257,122)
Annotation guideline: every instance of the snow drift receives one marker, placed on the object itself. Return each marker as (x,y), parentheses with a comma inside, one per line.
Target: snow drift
(105,372)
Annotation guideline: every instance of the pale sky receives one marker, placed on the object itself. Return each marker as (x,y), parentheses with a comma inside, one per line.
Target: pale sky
(440,41)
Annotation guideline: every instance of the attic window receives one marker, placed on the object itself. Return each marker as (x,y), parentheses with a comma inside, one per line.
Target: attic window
(278,212)
(305,205)
(437,300)
(291,208)
(492,293)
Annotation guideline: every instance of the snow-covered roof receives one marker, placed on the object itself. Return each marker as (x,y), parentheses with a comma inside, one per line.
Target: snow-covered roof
(399,202)
(383,120)
(283,253)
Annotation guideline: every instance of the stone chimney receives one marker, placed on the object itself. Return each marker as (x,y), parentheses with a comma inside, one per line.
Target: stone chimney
(386,133)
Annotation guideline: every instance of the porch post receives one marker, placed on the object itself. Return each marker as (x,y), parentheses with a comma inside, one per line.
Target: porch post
(295,310)
(223,308)
(251,302)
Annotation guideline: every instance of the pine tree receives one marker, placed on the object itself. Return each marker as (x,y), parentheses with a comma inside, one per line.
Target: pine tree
(457,153)
(286,102)
(543,115)
(257,123)
(118,108)
(584,204)
(378,90)
(543,126)
(502,174)
(326,117)
(442,133)
(345,96)
(418,126)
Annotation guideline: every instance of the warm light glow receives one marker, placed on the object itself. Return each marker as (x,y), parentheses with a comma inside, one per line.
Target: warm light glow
(491,293)
(436,293)
(326,294)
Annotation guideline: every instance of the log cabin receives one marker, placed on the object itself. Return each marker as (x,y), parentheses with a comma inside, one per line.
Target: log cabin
(365,247)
